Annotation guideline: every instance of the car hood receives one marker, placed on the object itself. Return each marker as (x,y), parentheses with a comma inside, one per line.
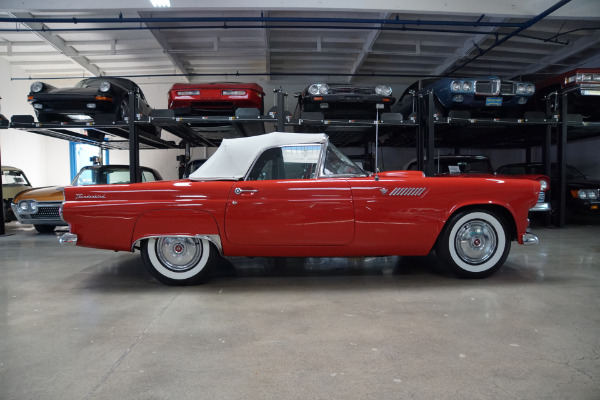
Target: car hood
(583,184)
(50,193)
(217,85)
(70,91)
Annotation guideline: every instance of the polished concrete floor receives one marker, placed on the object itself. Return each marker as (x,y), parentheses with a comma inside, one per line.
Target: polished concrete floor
(81,323)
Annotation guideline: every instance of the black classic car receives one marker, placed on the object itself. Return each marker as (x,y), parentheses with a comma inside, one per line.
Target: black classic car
(582,87)
(101,100)
(481,97)
(583,194)
(339,101)
(480,165)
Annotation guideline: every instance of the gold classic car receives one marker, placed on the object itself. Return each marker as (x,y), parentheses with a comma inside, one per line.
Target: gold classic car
(40,206)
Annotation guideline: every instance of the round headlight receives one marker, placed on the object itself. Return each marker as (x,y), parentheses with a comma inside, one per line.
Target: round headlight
(530,89)
(582,194)
(592,195)
(466,86)
(520,88)
(313,89)
(23,206)
(455,85)
(27,206)
(104,86)
(383,90)
(36,87)
(544,185)
(323,88)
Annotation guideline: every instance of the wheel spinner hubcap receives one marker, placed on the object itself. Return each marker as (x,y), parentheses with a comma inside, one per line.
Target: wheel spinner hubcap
(476,241)
(179,254)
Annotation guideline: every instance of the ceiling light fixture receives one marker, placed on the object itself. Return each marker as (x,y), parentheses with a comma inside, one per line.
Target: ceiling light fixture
(161,3)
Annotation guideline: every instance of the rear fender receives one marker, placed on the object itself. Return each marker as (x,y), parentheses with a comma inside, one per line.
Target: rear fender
(180,222)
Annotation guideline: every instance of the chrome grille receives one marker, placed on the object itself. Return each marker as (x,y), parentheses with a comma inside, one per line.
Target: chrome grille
(46,212)
(349,90)
(507,88)
(487,87)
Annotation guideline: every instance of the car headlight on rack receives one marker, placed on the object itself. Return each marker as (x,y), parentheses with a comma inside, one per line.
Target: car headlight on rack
(530,88)
(318,88)
(36,87)
(587,194)
(27,206)
(104,86)
(383,90)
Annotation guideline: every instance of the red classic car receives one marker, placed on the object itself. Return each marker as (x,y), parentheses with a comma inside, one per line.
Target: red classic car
(296,195)
(215,99)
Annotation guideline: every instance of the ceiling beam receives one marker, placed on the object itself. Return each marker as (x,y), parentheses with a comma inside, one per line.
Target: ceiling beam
(468,46)
(57,43)
(164,43)
(578,46)
(579,8)
(367,47)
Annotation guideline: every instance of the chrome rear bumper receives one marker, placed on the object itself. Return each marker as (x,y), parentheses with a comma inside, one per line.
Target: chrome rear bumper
(529,239)
(68,238)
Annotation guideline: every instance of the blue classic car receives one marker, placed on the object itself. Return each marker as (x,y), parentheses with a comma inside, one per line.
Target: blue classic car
(483,97)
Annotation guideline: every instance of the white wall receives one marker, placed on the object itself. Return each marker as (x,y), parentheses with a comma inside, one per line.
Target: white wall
(45,160)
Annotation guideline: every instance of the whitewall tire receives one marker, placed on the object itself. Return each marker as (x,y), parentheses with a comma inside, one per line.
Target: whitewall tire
(474,244)
(179,260)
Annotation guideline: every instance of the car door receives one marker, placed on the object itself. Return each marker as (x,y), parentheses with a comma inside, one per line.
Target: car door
(282,204)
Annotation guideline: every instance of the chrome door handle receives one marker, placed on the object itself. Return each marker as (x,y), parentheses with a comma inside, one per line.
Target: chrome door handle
(241,191)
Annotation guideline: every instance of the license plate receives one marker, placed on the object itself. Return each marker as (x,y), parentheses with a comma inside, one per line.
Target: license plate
(493,101)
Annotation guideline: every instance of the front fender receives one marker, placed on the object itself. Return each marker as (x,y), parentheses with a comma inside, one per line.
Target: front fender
(180,222)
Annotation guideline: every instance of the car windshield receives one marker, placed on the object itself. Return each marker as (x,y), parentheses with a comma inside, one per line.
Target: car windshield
(89,83)
(110,176)
(466,166)
(95,83)
(301,162)
(337,163)
(14,177)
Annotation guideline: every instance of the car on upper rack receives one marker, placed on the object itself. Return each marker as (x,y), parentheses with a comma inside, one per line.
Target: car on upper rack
(583,194)
(216,99)
(40,206)
(348,102)
(103,100)
(582,88)
(480,97)
(296,195)
(13,182)
(480,165)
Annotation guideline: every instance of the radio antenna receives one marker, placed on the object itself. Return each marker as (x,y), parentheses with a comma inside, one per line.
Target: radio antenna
(376,145)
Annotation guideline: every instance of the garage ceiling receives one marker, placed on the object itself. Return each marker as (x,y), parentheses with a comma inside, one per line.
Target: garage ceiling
(395,42)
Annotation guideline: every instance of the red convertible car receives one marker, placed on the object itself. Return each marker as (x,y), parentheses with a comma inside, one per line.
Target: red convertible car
(215,99)
(296,195)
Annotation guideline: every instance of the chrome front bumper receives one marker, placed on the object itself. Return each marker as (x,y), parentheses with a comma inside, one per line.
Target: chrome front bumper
(68,238)
(541,207)
(529,239)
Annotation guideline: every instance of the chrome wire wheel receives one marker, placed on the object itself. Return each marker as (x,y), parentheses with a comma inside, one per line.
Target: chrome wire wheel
(476,242)
(178,254)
